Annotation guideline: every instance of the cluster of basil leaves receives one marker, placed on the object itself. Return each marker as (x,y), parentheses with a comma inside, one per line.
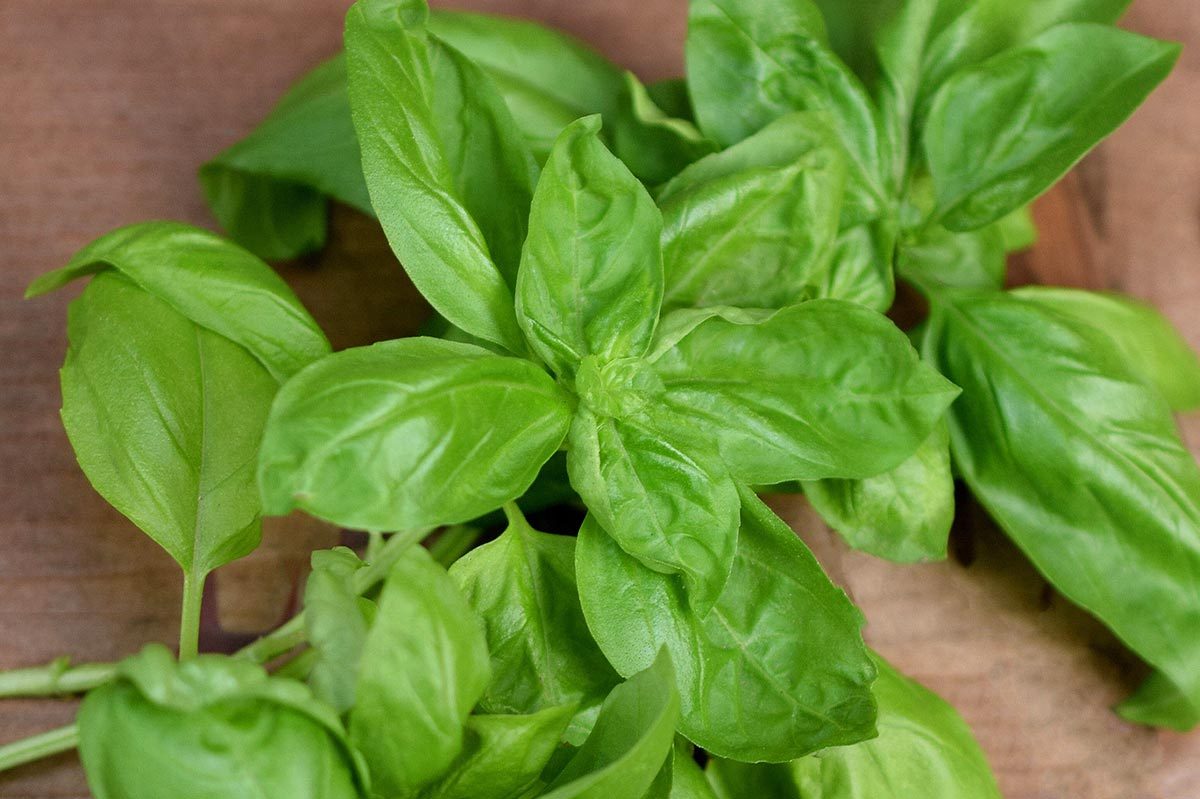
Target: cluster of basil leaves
(681,286)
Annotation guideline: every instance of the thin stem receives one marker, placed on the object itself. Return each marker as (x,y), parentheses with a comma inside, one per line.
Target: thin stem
(275,643)
(453,543)
(298,668)
(36,747)
(189,617)
(55,679)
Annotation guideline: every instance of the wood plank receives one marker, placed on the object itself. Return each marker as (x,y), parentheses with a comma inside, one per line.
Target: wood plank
(110,106)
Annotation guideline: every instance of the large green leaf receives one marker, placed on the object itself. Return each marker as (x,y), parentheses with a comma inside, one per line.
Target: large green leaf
(822,389)
(924,749)
(776,670)
(591,271)
(523,587)
(423,667)
(751,63)
(1081,464)
(675,510)
(502,756)
(409,433)
(269,189)
(904,514)
(215,284)
(211,728)
(630,742)
(1002,132)
(415,141)
(755,225)
(547,78)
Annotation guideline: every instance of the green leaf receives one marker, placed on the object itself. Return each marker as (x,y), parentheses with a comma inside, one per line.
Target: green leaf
(924,749)
(1158,702)
(424,666)
(822,389)
(417,140)
(1018,229)
(655,145)
(942,258)
(751,63)
(547,78)
(335,626)
(968,33)
(687,778)
(1081,464)
(269,189)
(523,587)
(903,515)
(674,510)
(211,728)
(733,780)
(503,755)
(165,417)
(1144,338)
(409,433)
(1002,132)
(630,741)
(213,283)
(755,225)
(777,669)
(591,272)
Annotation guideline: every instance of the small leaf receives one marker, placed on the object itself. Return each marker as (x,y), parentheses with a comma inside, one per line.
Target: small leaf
(409,433)
(652,143)
(591,272)
(211,728)
(630,741)
(776,670)
(1001,133)
(523,587)
(903,515)
(424,666)
(335,626)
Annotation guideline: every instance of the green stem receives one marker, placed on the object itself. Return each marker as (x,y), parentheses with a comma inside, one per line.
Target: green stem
(36,747)
(453,543)
(55,679)
(189,617)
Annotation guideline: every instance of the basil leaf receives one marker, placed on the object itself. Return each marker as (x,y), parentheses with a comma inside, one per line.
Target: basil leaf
(675,511)
(423,667)
(547,78)
(410,167)
(211,727)
(903,515)
(523,587)
(939,257)
(687,778)
(591,272)
(631,739)
(777,669)
(503,755)
(1158,702)
(1080,463)
(924,748)
(1001,133)
(755,225)
(652,143)
(671,95)
(215,284)
(968,33)
(269,189)
(409,433)
(335,626)
(750,63)
(1018,229)
(733,780)
(822,389)
(1145,340)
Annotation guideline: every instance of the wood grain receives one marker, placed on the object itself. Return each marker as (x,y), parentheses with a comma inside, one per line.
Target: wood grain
(110,105)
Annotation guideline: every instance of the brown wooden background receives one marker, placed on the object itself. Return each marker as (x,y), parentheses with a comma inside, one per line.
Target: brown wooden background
(108,106)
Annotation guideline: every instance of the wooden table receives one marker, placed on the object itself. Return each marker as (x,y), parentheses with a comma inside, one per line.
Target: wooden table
(108,106)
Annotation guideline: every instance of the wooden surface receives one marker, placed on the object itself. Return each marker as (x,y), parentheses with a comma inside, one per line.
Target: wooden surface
(108,107)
